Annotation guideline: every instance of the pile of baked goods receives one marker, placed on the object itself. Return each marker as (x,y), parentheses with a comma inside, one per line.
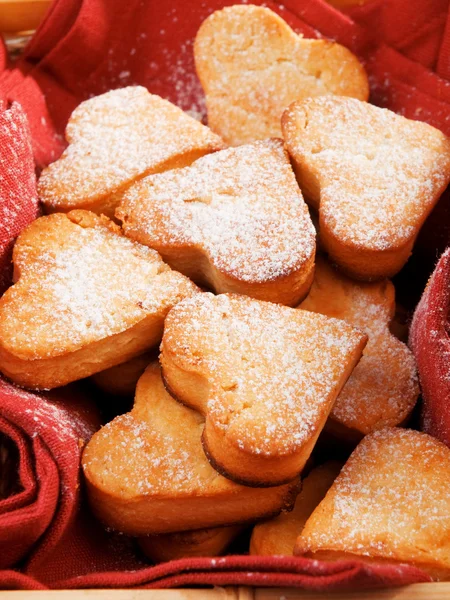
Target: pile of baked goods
(164,233)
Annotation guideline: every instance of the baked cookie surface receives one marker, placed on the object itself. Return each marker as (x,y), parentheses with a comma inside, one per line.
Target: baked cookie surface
(147,473)
(234,221)
(201,542)
(391,502)
(252,66)
(122,379)
(86,298)
(374,177)
(383,388)
(264,375)
(115,139)
(278,535)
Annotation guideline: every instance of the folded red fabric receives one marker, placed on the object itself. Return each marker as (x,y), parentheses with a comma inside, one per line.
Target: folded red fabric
(259,571)
(275,571)
(18,197)
(416,29)
(49,432)
(86,48)
(429,339)
(47,536)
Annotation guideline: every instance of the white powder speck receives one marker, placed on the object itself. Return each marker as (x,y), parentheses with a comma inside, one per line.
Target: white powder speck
(116,138)
(241,205)
(266,365)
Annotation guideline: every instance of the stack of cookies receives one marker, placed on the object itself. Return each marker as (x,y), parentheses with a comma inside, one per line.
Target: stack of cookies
(164,233)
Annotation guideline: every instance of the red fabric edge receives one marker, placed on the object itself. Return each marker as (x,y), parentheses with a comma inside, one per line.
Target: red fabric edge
(309,16)
(26,474)
(256,571)
(429,340)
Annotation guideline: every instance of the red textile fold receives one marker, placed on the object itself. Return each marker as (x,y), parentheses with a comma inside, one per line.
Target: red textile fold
(429,339)
(47,536)
(49,432)
(18,197)
(416,28)
(258,571)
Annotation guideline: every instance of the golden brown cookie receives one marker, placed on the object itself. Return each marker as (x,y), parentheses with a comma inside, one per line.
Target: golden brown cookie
(391,502)
(265,376)
(278,535)
(201,542)
(383,388)
(373,175)
(86,298)
(146,471)
(115,139)
(234,221)
(252,65)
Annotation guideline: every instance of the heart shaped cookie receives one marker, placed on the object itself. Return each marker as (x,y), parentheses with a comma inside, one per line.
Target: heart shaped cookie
(115,139)
(234,221)
(102,300)
(390,502)
(252,66)
(146,471)
(383,388)
(265,376)
(373,175)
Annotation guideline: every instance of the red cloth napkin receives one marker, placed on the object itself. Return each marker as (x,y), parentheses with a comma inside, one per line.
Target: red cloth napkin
(49,432)
(47,536)
(18,197)
(429,339)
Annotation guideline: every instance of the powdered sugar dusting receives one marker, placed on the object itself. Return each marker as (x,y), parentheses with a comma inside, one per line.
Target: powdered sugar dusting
(252,66)
(116,138)
(143,459)
(383,387)
(241,205)
(379,174)
(390,500)
(90,283)
(51,422)
(154,449)
(43,417)
(183,81)
(272,370)
(50,418)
